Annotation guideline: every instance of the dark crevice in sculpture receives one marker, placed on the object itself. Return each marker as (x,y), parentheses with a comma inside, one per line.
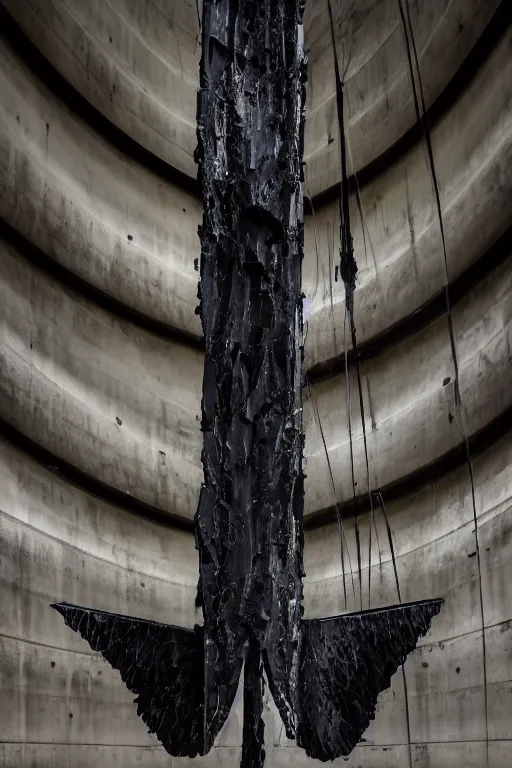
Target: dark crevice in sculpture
(253,742)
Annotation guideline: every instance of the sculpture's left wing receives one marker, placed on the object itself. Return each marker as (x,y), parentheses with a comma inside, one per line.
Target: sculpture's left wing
(163,665)
(345,663)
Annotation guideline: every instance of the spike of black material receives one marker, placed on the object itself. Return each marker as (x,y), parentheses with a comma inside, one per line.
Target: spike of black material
(162,664)
(345,663)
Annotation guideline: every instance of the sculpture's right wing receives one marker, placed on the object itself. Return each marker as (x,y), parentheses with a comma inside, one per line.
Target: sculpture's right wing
(163,665)
(345,663)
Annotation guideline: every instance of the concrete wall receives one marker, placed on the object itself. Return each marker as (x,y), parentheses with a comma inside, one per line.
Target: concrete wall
(101,364)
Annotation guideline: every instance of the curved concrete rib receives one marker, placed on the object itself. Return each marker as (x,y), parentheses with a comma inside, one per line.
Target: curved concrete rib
(379,99)
(433,540)
(84,224)
(57,541)
(114,401)
(399,254)
(126,63)
(92,210)
(71,371)
(410,415)
(137,65)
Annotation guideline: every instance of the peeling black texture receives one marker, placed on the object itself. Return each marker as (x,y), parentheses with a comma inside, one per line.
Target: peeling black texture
(249,520)
(163,665)
(345,663)
(324,675)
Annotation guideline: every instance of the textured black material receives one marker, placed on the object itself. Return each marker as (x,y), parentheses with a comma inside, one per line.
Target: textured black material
(345,663)
(249,520)
(163,665)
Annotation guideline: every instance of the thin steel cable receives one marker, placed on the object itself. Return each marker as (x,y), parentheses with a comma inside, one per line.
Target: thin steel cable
(315,406)
(399,594)
(348,269)
(348,408)
(423,120)
(364,228)
(341,529)
(331,291)
(390,541)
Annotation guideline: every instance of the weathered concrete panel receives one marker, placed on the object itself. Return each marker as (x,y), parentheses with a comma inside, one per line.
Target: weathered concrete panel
(109,398)
(137,63)
(410,415)
(371,49)
(399,253)
(87,206)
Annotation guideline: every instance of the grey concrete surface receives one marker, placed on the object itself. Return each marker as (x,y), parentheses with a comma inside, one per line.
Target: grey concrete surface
(74,365)
(371,51)
(127,57)
(135,62)
(399,253)
(77,199)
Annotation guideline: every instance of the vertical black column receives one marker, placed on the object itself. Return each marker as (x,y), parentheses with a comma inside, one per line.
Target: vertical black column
(249,520)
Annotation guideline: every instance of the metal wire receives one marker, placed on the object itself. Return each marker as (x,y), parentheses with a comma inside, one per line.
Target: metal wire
(423,120)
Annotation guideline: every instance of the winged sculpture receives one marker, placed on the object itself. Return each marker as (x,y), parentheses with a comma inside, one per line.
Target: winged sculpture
(324,674)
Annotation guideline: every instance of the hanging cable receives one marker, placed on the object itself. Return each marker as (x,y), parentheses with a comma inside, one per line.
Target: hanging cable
(399,595)
(422,118)
(330,254)
(314,228)
(341,530)
(317,414)
(348,272)
(364,230)
(348,266)
(348,408)
(390,542)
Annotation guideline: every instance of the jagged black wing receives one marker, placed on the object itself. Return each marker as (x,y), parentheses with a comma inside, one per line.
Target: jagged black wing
(345,663)
(163,665)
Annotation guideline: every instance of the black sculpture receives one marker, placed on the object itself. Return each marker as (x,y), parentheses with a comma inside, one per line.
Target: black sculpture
(324,675)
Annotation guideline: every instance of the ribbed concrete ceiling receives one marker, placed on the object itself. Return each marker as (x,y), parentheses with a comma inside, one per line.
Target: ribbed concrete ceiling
(102,358)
